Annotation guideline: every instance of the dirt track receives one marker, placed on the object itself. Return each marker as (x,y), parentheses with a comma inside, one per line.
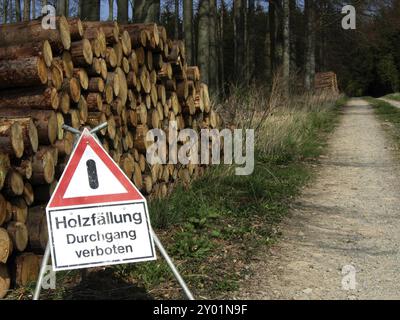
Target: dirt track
(349,216)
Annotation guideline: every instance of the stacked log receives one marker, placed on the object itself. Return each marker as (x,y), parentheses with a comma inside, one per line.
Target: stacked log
(84,74)
(326,81)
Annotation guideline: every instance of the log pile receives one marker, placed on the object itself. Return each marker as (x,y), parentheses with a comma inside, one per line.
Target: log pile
(326,81)
(83,74)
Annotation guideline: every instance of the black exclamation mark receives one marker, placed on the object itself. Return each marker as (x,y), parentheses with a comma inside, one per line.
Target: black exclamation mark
(92,174)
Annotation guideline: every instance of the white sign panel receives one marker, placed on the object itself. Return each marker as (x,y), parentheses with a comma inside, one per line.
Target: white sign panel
(100,235)
(96,215)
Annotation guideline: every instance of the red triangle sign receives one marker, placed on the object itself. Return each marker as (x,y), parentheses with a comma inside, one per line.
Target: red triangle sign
(92,177)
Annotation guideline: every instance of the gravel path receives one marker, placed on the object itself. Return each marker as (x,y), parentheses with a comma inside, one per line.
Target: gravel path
(344,227)
(394,103)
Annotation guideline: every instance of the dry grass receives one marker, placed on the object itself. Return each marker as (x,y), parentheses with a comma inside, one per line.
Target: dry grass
(281,123)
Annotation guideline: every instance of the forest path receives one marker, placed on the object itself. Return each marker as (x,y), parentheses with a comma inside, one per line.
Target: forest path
(394,103)
(348,217)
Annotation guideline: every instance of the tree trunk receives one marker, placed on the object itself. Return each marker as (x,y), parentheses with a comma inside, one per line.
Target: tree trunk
(110,10)
(213,74)
(26,72)
(5,11)
(272,33)
(11,12)
(146,11)
(176,20)
(221,48)
(286,47)
(27,10)
(18,10)
(61,9)
(250,54)
(122,11)
(238,33)
(310,45)
(203,46)
(293,40)
(32,31)
(33,9)
(188,29)
(153,13)
(90,10)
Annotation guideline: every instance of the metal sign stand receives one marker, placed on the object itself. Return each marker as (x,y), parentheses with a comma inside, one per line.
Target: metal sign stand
(157,241)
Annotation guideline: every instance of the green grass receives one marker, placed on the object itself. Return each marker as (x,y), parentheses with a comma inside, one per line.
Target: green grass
(214,227)
(387,113)
(223,209)
(394,96)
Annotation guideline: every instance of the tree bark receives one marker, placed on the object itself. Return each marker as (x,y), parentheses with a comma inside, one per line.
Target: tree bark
(176,20)
(122,11)
(110,10)
(5,11)
(250,45)
(272,33)
(18,10)
(146,11)
(310,45)
(27,10)
(286,47)
(23,72)
(203,46)
(188,29)
(213,74)
(221,47)
(90,10)
(33,9)
(62,9)
(238,32)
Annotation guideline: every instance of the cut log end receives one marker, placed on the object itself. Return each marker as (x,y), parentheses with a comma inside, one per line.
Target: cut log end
(65,33)
(42,70)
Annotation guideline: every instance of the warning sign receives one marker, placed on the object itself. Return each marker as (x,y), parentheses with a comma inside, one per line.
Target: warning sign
(96,216)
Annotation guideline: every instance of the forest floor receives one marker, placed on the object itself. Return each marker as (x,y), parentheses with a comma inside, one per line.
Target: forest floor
(347,218)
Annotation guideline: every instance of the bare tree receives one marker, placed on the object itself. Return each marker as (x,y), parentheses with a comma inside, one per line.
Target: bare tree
(213,74)
(110,10)
(272,34)
(122,11)
(310,44)
(203,45)
(176,20)
(286,46)
(33,9)
(221,47)
(17,10)
(62,7)
(5,10)
(146,11)
(238,33)
(27,10)
(188,29)
(90,10)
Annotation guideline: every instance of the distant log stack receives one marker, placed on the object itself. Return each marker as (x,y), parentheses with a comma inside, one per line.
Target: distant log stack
(83,74)
(326,81)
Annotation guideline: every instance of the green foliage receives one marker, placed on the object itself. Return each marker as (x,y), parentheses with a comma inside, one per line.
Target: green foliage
(388,72)
(393,96)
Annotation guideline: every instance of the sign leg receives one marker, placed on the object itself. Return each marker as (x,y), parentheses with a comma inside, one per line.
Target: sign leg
(41,273)
(172,266)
